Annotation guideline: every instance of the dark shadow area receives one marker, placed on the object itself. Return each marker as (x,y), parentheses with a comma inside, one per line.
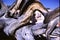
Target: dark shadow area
(3,36)
(40,38)
(0,6)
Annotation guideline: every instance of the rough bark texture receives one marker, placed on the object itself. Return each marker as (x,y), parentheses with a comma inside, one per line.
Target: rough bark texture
(24,10)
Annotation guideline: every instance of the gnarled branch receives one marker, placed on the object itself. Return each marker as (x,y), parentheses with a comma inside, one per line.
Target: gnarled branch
(51,15)
(25,17)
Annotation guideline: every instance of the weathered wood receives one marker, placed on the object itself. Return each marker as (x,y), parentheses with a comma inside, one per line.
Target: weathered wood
(51,26)
(16,6)
(51,15)
(22,5)
(25,18)
(3,9)
(51,35)
(3,6)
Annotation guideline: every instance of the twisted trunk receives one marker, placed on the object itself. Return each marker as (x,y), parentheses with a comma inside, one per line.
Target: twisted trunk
(53,19)
(25,17)
(51,26)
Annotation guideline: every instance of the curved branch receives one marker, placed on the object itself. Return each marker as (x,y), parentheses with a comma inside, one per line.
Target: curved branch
(17,4)
(51,26)
(3,5)
(21,4)
(4,8)
(51,15)
(25,18)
